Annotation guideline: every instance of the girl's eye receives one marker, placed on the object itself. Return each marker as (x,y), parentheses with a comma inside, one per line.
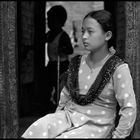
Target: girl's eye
(87,31)
(90,31)
(82,31)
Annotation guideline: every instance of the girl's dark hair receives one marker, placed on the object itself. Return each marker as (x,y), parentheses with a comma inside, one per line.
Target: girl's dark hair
(59,13)
(104,18)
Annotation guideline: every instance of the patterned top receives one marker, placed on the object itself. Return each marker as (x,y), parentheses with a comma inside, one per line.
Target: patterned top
(94,120)
(99,83)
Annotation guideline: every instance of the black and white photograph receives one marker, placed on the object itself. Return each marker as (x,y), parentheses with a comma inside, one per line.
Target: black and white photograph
(70,69)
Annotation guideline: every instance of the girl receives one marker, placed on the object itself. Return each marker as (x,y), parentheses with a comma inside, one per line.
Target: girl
(97,83)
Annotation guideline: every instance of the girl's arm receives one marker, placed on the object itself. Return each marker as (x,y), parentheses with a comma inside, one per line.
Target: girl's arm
(124,93)
(64,98)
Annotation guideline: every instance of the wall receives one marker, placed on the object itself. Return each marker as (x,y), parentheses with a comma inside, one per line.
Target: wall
(8,71)
(27,42)
(132,52)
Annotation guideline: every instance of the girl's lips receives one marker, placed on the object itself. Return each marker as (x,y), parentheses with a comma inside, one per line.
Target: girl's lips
(85,44)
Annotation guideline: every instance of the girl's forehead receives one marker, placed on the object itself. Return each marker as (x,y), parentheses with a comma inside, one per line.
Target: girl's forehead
(90,23)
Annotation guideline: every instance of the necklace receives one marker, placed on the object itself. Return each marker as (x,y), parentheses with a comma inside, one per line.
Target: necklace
(92,67)
(104,59)
(97,86)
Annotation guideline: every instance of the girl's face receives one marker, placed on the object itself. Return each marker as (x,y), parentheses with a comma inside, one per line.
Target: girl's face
(93,36)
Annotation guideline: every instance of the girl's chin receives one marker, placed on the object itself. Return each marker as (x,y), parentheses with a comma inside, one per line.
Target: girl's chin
(88,48)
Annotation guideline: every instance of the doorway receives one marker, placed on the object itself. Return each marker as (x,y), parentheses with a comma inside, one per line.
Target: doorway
(31,35)
(33,101)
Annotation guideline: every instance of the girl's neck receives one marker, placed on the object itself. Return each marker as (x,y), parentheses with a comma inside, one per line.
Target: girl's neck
(94,58)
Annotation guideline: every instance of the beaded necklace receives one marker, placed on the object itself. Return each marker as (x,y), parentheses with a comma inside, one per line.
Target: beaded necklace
(96,88)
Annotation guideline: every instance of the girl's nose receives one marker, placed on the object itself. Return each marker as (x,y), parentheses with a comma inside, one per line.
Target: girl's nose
(85,35)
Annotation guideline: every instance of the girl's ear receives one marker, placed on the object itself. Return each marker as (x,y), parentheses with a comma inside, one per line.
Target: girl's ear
(108,35)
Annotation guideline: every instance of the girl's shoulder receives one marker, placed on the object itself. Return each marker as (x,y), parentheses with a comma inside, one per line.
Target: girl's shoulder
(122,68)
(122,72)
(122,63)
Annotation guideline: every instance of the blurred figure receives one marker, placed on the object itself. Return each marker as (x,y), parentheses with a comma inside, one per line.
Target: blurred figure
(59,47)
